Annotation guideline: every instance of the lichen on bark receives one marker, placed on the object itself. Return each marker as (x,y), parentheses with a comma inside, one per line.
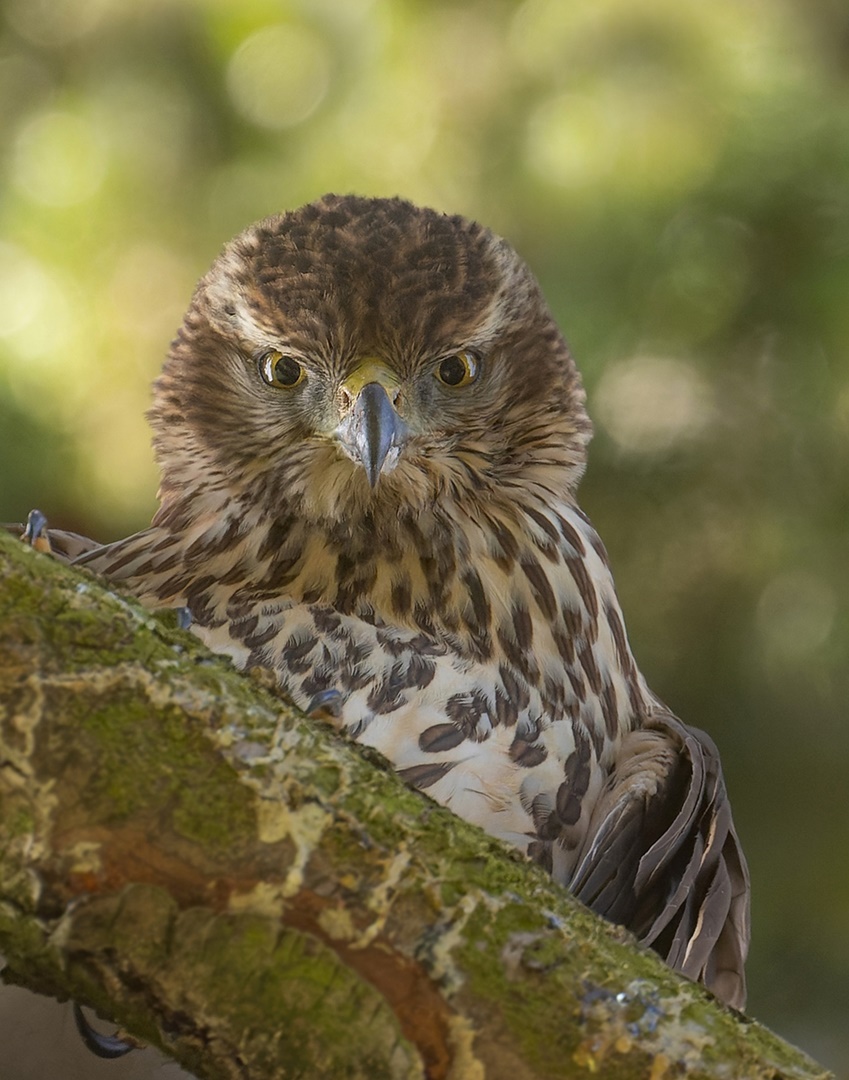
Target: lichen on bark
(239,886)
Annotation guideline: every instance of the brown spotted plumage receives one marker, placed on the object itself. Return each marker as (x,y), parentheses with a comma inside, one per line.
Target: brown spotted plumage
(371,435)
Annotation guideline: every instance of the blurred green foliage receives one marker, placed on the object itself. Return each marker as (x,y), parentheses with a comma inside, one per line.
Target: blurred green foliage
(677,174)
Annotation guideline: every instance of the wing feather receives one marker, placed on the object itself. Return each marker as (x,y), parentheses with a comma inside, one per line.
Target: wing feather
(662,856)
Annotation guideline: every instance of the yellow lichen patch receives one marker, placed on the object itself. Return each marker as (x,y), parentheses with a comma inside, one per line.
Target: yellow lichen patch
(305,826)
(262,899)
(22,724)
(659,1067)
(28,819)
(442,965)
(85,857)
(587,1057)
(381,897)
(464,1064)
(337,924)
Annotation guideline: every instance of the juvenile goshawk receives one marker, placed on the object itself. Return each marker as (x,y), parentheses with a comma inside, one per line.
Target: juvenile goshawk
(371,434)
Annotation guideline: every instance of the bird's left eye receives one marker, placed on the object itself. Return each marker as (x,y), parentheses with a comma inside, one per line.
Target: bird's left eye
(280,369)
(459,369)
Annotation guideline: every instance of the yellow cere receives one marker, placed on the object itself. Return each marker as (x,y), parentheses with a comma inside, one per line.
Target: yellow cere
(371,370)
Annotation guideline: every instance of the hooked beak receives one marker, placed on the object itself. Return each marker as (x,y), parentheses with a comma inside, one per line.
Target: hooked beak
(372,427)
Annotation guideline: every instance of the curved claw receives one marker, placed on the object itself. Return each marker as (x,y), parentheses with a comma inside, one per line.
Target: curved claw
(35,533)
(184,618)
(327,704)
(104,1046)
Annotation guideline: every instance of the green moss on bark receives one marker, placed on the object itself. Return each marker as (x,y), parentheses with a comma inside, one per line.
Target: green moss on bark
(260,898)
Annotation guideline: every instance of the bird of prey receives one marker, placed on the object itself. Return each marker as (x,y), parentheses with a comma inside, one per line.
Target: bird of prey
(371,435)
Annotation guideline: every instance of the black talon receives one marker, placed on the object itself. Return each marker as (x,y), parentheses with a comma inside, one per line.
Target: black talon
(35,533)
(184,618)
(326,703)
(104,1046)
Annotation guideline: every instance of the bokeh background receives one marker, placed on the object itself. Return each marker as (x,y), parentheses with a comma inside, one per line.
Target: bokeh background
(677,174)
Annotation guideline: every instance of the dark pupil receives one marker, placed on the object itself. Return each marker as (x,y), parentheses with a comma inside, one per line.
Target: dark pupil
(452,370)
(287,370)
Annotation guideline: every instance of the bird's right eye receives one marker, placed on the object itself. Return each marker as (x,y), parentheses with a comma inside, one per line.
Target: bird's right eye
(280,369)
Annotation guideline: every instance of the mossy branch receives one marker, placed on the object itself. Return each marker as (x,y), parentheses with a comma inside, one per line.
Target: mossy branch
(242,888)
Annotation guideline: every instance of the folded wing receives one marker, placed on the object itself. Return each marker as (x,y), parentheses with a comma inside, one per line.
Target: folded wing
(663,859)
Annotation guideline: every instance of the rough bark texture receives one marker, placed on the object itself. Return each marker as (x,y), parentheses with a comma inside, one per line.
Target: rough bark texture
(236,885)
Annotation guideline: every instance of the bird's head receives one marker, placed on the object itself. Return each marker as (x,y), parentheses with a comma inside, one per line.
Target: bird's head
(363,358)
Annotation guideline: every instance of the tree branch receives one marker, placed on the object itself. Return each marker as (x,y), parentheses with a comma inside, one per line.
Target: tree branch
(240,887)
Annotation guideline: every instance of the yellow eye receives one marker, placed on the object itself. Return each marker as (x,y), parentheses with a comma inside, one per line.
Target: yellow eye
(280,369)
(459,369)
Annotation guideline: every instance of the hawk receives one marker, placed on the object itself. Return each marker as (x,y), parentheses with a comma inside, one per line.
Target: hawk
(371,435)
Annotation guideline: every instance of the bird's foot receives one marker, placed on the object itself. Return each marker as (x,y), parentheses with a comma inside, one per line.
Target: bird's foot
(326,705)
(35,532)
(104,1046)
